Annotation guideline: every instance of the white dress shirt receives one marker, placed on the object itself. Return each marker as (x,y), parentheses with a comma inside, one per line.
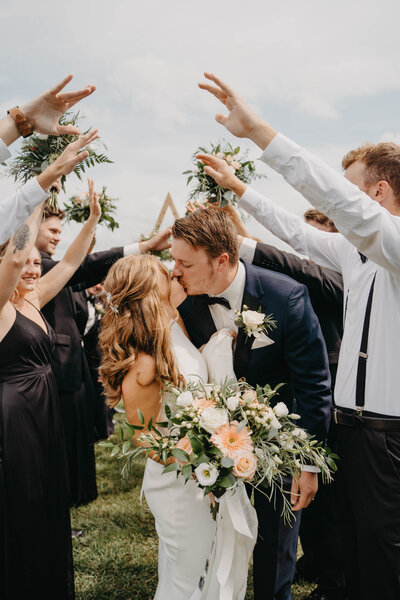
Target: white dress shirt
(365,226)
(221,315)
(15,209)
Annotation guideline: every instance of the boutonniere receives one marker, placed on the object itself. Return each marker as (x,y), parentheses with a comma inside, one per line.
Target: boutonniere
(99,308)
(255,323)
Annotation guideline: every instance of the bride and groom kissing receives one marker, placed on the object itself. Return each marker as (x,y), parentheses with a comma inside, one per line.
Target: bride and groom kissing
(145,339)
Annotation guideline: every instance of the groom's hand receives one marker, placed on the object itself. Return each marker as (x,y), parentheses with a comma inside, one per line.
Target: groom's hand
(242,121)
(303,490)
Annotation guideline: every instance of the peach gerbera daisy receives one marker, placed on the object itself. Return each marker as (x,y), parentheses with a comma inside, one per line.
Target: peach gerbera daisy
(202,403)
(229,440)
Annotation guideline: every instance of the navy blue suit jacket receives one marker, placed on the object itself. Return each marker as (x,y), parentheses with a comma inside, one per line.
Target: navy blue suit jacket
(298,356)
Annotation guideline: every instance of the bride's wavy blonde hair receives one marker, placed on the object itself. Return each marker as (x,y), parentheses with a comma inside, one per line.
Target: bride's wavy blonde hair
(135,321)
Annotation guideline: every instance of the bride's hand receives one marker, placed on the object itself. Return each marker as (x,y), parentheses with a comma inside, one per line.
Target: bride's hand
(178,294)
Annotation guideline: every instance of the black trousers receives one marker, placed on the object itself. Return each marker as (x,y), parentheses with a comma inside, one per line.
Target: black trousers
(322,559)
(369,509)
(274,556)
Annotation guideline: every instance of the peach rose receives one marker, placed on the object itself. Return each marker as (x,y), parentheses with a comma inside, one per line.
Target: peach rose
(245,465)
(201,403)
(185,445)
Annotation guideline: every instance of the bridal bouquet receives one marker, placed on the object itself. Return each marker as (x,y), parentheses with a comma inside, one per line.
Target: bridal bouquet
(223,434)
(78,209)
(205,188)
(40,150)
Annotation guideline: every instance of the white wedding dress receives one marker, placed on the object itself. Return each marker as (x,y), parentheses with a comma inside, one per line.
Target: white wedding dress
(191,548)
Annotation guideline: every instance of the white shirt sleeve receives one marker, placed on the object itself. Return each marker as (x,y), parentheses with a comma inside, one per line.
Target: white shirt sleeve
(15,209)
(321,246)
(4,151)
(247,250)
(372,229)
(131,249)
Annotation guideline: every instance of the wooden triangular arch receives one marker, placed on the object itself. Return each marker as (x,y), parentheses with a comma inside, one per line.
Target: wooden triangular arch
(168,203)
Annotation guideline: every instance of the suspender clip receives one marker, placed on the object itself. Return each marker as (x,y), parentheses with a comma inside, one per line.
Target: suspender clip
(363,355)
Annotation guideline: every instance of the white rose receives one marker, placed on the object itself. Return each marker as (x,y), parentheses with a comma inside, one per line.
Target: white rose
(281,410)
(206,474)
(232,402)
(213,418)
(209,388)
(249,396)
(300,433)
(185,399)
(252,318)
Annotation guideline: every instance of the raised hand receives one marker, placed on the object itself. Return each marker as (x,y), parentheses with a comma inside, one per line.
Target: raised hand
(94,205)
(160,241)
(221,172)
(67,160)
(241,121)
(44,112)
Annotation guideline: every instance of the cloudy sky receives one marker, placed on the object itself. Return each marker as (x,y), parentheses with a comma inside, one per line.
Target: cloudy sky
(325,73)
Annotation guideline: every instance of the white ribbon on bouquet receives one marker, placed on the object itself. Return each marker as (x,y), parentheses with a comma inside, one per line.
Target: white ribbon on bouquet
(226,576)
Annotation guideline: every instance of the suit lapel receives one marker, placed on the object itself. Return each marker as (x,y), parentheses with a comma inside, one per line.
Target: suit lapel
(251,299)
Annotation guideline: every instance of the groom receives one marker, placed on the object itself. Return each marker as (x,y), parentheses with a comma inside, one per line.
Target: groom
(205,250)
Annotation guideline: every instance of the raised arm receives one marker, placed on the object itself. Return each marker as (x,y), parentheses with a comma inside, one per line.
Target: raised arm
(23,240)
(18,250)
(43,112)
(51,283)
(323,247)
(322,284)
(368,226)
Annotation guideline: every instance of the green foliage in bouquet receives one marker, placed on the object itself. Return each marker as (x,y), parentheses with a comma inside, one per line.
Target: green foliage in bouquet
(39,151)
(77,209)
(205,189)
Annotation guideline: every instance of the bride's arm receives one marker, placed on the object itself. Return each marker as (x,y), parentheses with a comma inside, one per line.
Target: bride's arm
(140,389)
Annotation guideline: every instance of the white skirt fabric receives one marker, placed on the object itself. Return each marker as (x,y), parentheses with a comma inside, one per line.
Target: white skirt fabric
(185,530)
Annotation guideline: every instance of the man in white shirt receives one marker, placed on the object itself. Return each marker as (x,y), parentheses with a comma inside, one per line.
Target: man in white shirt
(365,207)
(40,115)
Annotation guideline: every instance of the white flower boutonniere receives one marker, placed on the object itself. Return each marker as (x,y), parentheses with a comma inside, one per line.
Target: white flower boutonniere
(99,308)
(256,324)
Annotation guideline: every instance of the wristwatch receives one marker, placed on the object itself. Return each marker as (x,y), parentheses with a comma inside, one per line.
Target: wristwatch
(22,124)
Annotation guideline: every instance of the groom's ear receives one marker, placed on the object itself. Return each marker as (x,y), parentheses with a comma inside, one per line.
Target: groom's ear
(222,262)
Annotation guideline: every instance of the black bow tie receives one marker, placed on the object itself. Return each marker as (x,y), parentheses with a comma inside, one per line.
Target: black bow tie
(206,299)
(363,257)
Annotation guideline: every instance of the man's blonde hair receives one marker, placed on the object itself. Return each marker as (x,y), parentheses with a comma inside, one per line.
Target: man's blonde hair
(381,163)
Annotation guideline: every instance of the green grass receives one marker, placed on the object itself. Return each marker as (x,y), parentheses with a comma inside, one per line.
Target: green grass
(116,557)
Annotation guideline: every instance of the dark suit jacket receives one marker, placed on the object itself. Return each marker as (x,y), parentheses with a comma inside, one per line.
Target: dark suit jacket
(62,311)
(325,288)
(298,356)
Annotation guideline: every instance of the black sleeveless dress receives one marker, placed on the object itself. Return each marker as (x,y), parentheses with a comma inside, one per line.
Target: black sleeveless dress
(35,536)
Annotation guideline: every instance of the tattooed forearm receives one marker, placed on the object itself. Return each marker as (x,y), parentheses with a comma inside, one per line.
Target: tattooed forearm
(21,238)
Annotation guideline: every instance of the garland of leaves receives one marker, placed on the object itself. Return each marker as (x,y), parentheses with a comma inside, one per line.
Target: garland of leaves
(205,188)
(39,151)
(78,209)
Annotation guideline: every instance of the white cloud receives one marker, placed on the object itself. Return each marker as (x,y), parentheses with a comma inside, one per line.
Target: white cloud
(305,58)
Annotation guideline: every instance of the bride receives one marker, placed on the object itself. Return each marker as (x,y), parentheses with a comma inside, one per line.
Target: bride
(143,341)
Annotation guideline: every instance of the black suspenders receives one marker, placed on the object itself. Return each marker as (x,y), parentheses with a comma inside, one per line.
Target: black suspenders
(363,354)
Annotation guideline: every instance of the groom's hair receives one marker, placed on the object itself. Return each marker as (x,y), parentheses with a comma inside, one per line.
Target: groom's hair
(211,230)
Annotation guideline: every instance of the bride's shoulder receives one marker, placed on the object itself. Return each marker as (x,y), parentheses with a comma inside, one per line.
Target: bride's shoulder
(142,372)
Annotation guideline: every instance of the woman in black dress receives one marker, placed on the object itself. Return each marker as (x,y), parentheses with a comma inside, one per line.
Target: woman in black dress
(35,537)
